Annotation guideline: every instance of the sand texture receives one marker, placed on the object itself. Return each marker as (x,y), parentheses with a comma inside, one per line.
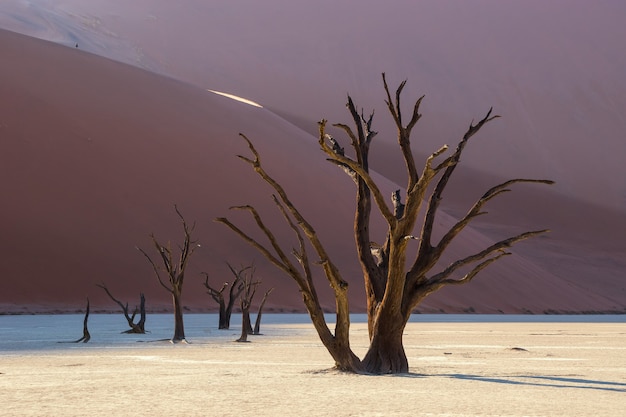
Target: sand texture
(457,369)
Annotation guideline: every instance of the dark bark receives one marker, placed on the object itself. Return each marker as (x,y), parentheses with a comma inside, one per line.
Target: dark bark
(236,287)
(224,318)
(86,336)
(179,325)
(142,312)
(245,322)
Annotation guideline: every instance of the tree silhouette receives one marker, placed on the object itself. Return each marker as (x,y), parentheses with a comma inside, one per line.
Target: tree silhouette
(175,271)
(236,287)
(138,327)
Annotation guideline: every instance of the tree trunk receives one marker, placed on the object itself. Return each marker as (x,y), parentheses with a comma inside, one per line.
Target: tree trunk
(247,321)
(257,323)
(337,345)
(140,327)
(179,326)
(224,320)
(245,325)
(386,352)
(345,359)
(86,336)
(142,313)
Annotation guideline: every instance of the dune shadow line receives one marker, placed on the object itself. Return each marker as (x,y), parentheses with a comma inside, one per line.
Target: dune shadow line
(551,381)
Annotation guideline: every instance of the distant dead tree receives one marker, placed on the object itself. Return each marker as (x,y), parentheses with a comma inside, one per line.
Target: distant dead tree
(175,271)
(257,323)
(394,286)
(249,289)
(86,336)
(138,327)
(247,295)
(236,287)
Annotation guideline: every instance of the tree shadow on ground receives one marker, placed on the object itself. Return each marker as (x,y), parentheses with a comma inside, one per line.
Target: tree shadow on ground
(534,380)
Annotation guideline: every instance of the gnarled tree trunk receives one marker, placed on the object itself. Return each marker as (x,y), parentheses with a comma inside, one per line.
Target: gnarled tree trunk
(386,351)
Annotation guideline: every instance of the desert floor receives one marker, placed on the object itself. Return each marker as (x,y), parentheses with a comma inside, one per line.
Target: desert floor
(457,369)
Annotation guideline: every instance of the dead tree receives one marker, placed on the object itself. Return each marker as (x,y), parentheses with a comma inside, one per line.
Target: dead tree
(257,323)
(236,287)
(394,286)
(86,336)
(175,271)
(246,302)
(138,327)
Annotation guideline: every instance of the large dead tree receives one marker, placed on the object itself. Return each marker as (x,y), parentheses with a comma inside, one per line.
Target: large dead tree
(138,327)
(175,271)
(236,287)
(394,286)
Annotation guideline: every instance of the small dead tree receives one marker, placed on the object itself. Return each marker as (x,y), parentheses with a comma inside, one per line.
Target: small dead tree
(139,327)
(175,271)
(246,302)
(236,287)
(86,336)
(394,286)
(257,323)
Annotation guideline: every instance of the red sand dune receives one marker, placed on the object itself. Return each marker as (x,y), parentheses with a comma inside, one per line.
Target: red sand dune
(95,153)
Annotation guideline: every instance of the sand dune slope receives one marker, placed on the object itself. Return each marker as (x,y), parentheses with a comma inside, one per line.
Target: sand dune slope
(95,154)
(554,71)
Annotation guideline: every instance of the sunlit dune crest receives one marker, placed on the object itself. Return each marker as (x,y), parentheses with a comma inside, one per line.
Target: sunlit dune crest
(234,97)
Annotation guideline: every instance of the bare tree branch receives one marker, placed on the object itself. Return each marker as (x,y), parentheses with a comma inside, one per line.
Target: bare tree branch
(436,196)
(216,294)
(155,268)
(404,133)
(254,243)
(364,175)
(496,247)
(301,254)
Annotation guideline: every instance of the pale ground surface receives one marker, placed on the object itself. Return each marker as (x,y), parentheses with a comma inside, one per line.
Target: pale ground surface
(457,369)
